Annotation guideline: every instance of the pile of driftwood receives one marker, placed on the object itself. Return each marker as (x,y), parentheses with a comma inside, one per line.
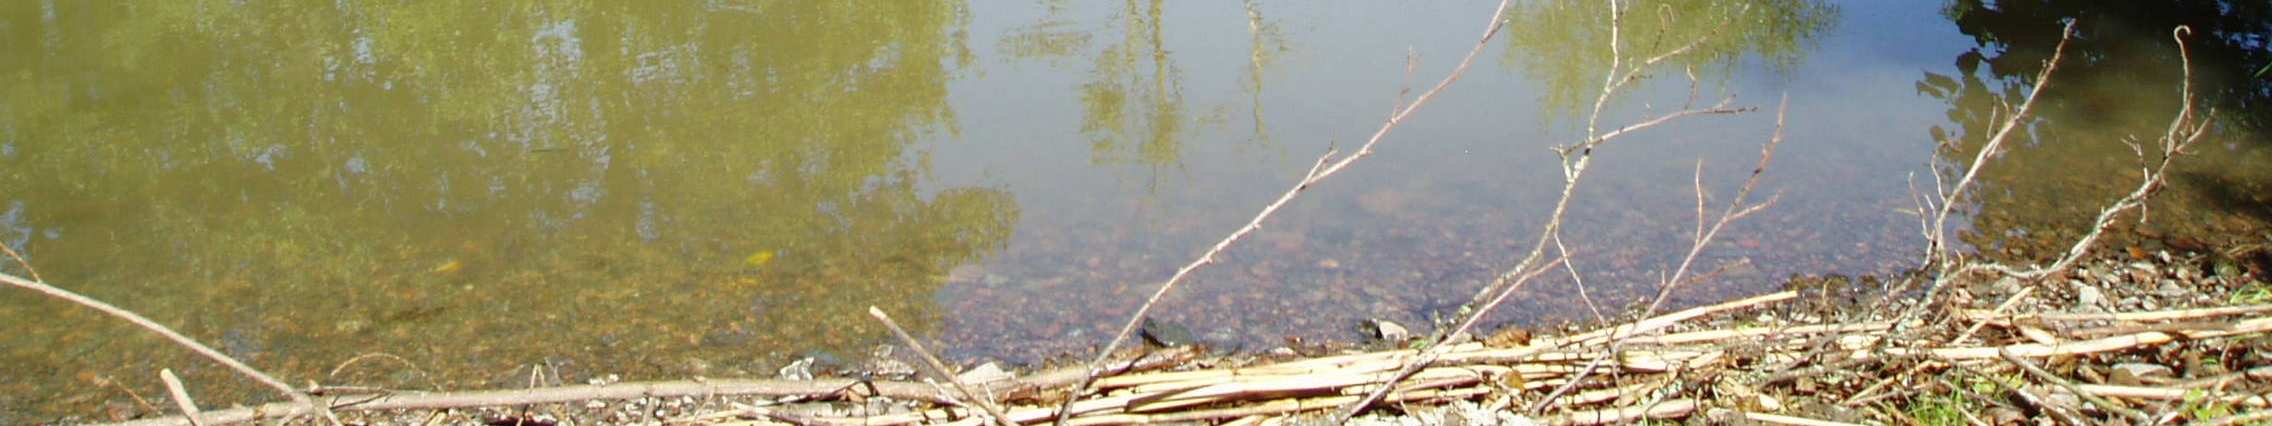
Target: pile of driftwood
(1671,366)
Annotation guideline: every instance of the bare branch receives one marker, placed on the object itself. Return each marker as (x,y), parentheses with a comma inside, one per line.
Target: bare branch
(19,257)
(993,413)
(176,337)
(1576,158)
(181,397)
(1936,246)
(1326,166)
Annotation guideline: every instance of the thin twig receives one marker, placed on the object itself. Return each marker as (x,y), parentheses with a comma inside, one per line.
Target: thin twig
(940,368)
(177,338)
(2183,132)
(1326,166)
(181,397)
(1736,209)
(2038,372)
(1936,241)
(19,257)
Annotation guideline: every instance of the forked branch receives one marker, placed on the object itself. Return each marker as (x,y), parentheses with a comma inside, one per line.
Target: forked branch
(176,337)
(1327,165)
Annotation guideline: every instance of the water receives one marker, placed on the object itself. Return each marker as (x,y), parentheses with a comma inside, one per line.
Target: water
(712,189)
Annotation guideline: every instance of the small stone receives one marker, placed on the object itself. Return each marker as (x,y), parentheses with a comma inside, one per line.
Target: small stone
(2170,289)
(2089,296)
(1388,331)
(2006,416)
(1164,334)
(1508,337)
(1770,404)
(984,373)
(2064,399)
(595,405)
(2133,373)
(802,369)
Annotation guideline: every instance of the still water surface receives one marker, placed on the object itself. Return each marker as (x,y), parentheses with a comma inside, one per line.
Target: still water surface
(672,189)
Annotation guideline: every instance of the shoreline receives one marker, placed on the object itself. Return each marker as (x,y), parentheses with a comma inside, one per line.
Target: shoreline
(2152,333)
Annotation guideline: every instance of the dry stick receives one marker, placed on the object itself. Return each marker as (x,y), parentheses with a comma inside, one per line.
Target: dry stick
(1936,241)
(1578,280)
(1430,355)
(335,370)
(2182,133)
(1574,171)
(940,368)
(1792,420)
(1490,296)
(1508,282)
(2057,410)
(1318,172)
(1736,209)
(12,254)
(1668,409)
(1857,397)
(2242,419)
(169,333)
(2000,308)
(632,390)
(2166,315)
(2038,372)
(181,397)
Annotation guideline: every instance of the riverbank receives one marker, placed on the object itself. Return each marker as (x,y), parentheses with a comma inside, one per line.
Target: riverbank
(2126,337)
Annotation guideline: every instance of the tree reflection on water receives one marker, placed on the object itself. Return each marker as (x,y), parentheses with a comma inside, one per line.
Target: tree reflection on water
(2121,81)
(657,189)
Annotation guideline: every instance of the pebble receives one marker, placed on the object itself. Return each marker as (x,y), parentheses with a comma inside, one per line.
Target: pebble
(2132,373)
(2089,296)
(984,373)
(1164,334)
(802,369)
(1389,331)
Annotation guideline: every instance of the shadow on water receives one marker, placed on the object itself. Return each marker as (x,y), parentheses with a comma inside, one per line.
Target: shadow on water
(2120,82)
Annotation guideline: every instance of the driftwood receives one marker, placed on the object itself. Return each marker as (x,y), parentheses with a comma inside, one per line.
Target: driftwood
(1647,364)
(1024,387)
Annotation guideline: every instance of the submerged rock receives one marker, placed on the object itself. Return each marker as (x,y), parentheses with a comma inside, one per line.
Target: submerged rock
(1387,331)
(1164,334)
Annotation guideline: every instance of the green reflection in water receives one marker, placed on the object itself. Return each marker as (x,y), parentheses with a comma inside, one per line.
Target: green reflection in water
(1562,43)
(659,190)
(2118,82)
(1132,104)
(1133,108)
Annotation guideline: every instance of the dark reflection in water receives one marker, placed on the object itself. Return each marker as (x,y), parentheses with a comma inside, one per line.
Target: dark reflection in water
(598,187)
(2120,82)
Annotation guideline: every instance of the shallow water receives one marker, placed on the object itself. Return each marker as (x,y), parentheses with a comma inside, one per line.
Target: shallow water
(712,189)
